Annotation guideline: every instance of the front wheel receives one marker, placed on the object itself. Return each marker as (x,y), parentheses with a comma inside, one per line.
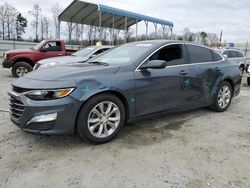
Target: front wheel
(101,118)
(223,97)
(20,69)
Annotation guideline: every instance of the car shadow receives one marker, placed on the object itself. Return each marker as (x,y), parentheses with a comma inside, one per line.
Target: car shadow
(134,134)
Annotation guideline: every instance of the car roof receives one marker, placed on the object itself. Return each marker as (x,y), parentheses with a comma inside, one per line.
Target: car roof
(100,47)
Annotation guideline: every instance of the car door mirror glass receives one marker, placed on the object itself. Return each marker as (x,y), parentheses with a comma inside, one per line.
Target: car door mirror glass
(92,56)
(154,64)
(43,50)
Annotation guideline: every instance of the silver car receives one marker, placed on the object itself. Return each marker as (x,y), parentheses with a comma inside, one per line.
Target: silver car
(237,57)
(80,56)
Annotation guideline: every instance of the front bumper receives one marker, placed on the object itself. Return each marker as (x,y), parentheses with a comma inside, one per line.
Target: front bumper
(7,64)
(66,109)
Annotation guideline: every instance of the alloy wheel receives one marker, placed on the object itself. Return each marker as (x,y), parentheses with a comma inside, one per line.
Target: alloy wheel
(104,119)
(20,71)
(224,96)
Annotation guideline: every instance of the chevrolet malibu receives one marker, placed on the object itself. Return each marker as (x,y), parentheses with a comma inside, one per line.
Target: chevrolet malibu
(96,98)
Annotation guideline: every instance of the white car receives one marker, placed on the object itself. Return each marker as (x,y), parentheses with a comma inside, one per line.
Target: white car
(236,56)
(82,55)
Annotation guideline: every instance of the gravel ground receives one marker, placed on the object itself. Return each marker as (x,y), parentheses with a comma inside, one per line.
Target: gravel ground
(198,148)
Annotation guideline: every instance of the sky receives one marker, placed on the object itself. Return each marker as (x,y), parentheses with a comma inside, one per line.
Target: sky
(212,16)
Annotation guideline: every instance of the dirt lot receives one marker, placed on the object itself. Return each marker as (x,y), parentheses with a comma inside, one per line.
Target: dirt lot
(199,148)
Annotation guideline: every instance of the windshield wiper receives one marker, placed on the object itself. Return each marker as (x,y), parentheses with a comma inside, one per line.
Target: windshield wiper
(98,63)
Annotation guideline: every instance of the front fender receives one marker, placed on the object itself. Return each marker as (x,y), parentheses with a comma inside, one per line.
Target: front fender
(89,88)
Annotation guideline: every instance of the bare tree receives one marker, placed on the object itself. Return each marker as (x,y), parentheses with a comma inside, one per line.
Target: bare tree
(11,14)
(3,20)
(56,10)
(8,15)
(44,27)
(36,13)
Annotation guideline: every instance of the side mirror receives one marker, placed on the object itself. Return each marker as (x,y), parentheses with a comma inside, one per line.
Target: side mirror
(43,50)
(154,64)
(94,55)
(225,55)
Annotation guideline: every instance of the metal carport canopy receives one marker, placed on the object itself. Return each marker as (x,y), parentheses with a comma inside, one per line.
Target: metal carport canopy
(82,12)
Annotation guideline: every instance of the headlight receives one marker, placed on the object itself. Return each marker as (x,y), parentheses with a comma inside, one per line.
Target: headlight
(49,64)
(48,94)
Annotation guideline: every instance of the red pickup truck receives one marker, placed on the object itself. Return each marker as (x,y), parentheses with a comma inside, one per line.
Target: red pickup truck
(22,61)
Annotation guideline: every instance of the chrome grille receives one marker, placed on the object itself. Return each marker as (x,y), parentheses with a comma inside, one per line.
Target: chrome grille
(16,107)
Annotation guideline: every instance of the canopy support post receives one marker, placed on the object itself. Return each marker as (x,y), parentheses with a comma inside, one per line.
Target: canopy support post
(171,32)
(126,29)
(155,24)
(113,28)
(58,29)
(100,25)
(136,30)
(81,35)
(163,31)
(146,22)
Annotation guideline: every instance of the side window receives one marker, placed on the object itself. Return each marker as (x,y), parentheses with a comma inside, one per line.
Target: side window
(172,54)
(240,54)
(216,57)
(227,54)
(198,54)
(233,54)
(53,47)
(99,51)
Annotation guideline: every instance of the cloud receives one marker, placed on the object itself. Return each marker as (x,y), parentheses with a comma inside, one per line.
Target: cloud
(211,16)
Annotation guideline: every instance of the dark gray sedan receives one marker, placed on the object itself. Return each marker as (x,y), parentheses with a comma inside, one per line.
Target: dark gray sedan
(96,98)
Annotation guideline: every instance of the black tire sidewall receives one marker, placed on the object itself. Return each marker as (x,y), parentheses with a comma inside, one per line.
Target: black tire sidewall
(248,81)
(82,125)
(20,64)
(216,106)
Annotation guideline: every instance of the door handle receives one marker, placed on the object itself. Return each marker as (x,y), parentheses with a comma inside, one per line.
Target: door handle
(183,72)
(216,69)
(59,54)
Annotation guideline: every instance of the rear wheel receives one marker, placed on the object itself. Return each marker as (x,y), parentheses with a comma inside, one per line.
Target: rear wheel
(101,119)
(223,97)
(20,69)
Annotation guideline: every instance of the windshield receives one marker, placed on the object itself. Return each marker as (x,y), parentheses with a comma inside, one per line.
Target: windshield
(37,46)
(84,52)
(125,54)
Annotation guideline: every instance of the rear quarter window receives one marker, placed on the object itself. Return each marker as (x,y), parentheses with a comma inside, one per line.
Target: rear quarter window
(199,54)
(216,56)
(240,54)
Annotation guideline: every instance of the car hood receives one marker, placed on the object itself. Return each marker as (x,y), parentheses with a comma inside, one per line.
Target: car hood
(63,76)
(63,60)
(20,51)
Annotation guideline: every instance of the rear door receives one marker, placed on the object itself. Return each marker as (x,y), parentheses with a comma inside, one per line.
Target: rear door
(199,76)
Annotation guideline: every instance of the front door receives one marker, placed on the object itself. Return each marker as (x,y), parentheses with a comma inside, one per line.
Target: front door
(159,90)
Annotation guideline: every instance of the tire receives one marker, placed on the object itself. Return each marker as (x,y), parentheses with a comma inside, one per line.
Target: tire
(20,69)
(217,106)
(102,132)
(248,81)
